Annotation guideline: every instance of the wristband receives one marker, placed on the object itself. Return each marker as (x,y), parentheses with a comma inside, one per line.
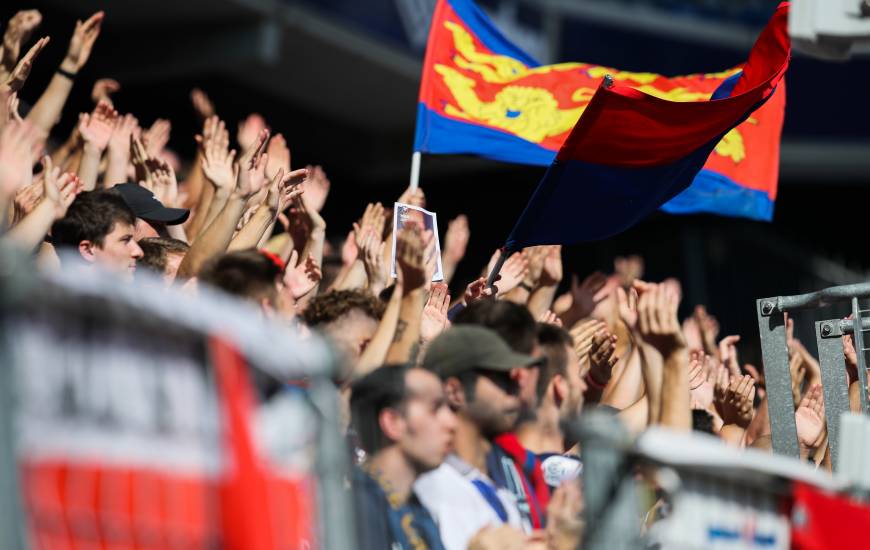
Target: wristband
(525,287)
(593,382)
(66,74)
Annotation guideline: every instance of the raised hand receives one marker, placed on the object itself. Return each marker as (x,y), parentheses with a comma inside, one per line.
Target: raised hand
(301,279)
(349,250)
(583,333)
(456,240)
(17,140)
(371,247)
(733,397)
(728,354)
(284,189)
(512,272)
(535,255)
(415,197)
(627,307)
(657,318)
(21,72)
(119,141)
(18,32)
(702,379)
(82,42)
(202,105)
(218,161)
(96,128)
(316,187)
(476,290)
(250,131)
(550,318)
(279,155)
(628,268)
(434,320)
(12,107)
(588,294)
(602,356)
(411,266)
(165,183)
(156,137)
(59,189)
(810,418)
(252,174)
(552,273)
(103,89)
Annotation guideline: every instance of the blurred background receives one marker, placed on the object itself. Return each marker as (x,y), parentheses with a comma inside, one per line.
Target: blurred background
(339,79)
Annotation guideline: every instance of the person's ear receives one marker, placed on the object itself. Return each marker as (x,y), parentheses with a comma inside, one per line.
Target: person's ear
(266,308)
(392,424)
(560,389)
(86,249)
(455,393)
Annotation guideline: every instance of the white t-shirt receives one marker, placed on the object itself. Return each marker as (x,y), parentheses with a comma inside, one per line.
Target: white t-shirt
(458,507)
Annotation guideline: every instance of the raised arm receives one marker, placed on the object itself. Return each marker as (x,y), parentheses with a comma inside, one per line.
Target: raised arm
(216,238)
(60,191)
(96,129)
(410,253)
(47,110)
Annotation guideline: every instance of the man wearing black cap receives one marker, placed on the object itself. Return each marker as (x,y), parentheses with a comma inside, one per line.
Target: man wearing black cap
(475,365)
(152,218)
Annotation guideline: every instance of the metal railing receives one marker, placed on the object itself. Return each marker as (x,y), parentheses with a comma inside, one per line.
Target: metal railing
(771,314)
(81,350)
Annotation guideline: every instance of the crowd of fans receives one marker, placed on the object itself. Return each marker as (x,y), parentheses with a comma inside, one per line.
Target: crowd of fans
(456,402)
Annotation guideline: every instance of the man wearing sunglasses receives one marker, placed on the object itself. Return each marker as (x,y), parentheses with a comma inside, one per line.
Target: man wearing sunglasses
(475,365)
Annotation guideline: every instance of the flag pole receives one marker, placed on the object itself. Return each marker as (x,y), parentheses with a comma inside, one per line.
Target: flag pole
(415,171)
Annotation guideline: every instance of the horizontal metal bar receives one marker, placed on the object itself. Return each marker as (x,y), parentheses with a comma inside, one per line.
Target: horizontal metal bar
(834,328)
(819,298)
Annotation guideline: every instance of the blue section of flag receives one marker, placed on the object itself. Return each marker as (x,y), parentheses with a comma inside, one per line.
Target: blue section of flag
(442,135)
(480,24)
(580,201)
(714,193)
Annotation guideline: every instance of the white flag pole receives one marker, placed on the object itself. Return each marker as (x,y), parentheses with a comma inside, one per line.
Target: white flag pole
(415,170)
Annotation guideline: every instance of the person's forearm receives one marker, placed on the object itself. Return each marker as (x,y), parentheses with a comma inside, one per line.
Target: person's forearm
(251,233)
(200,219)
(48,108)
(651,369)
(518,295)
(407,335)
(354,277)
(116,168)
(448,270)
(216,201)
(287,249)
(89,167)
(635,416)
(267,234)
(855,396)
(626,383)
(30,232)
(314,248)
(733,435)
(196,183)
(541,300)
(61,154)
(375,353)
(214,239)
(177,232)
(676,404)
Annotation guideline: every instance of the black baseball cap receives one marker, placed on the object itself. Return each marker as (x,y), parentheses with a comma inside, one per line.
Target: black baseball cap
(145,205)
(470,347)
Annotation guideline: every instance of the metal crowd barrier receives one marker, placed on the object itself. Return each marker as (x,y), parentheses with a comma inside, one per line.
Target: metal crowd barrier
(81,351)
(679,491)
(829,333)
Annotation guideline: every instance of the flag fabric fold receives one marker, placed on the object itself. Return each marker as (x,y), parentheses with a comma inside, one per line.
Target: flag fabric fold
(631,152)
(480,94)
